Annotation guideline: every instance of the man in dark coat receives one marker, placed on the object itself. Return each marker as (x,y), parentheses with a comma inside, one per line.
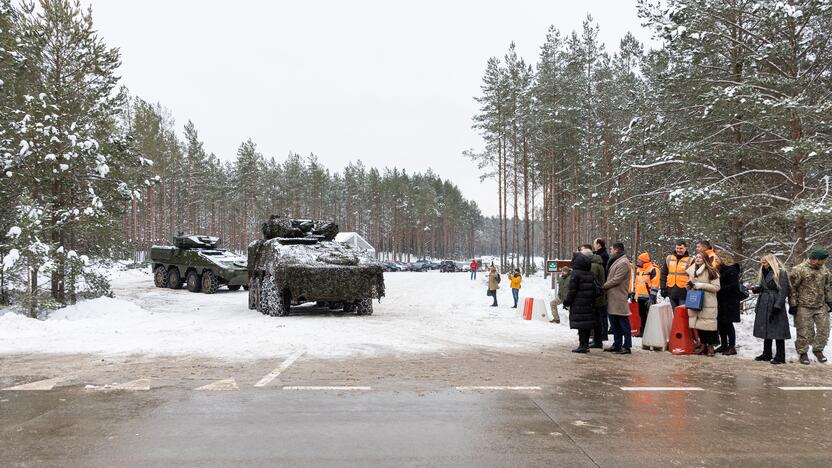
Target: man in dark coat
(581,301)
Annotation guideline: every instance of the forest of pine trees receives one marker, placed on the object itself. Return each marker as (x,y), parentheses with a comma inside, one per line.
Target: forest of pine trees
(400,214)
(721,133)
(92,174)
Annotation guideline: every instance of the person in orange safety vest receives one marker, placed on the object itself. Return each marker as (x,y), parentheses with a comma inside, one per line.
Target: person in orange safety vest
(645,286)
(674,276)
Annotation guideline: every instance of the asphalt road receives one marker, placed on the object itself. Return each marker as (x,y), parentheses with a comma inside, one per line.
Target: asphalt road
(549,408)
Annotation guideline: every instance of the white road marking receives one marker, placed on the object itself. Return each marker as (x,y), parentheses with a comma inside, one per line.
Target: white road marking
(662,389)
(220,385)
(281,368)
(135,385)
(496,387)
(326,388)
(805,388)
(132,386)
(40,385)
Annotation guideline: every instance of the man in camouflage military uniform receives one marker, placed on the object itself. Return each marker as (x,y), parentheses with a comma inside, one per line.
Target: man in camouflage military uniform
(811,297)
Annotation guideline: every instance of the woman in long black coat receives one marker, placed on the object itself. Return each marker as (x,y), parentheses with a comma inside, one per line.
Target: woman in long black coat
(728,303)
(770,321)
(581,301)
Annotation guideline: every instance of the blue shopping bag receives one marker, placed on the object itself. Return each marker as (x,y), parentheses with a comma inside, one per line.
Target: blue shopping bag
(694,300)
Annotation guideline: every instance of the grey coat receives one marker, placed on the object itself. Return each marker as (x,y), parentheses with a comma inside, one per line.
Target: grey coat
(618,286)
(768,323)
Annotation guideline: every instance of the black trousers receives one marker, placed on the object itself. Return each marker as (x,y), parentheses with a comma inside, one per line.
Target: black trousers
(727,334)
(601,330)
(583,338)
(643,310)
(708,337)
(781,349)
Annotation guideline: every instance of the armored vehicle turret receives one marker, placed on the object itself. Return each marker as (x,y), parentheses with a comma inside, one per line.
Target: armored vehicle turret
(198,262)
(298,260)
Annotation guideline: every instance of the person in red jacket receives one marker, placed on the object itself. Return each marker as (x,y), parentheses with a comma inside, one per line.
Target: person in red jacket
(474,266)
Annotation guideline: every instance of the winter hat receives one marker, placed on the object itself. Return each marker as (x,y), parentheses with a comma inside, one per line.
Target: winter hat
(644,257)
(818,254)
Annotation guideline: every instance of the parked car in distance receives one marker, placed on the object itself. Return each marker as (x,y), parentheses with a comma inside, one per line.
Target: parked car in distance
(448,266)
(463,266)
(391,266)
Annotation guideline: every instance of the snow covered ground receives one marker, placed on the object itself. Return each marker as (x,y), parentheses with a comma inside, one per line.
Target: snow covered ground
(422,312)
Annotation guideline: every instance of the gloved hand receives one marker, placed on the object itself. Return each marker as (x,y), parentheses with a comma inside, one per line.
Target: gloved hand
(632,296)
(664,292)
(653,299)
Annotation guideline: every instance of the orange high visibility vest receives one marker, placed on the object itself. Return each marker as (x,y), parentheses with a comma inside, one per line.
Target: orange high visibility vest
(647,280)
(677,275)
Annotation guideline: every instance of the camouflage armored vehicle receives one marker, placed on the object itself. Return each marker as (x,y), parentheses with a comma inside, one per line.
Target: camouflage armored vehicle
(299,261)
(197,262)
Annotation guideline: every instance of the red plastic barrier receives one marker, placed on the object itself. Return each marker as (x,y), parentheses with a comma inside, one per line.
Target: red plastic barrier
(635,319)
(680,339)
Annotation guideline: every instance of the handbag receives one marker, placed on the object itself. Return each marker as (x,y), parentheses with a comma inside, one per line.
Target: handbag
(695,300)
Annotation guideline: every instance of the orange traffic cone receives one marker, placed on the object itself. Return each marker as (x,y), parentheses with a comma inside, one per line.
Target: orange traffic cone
(635,319)
(680,339)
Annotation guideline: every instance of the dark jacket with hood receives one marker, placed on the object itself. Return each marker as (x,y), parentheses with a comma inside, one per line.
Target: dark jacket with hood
(728,298)
(581,297)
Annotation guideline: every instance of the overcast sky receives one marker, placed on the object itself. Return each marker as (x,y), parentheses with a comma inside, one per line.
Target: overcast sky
(390,83)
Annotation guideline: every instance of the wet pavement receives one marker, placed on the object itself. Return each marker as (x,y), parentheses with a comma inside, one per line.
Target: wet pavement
(550,408)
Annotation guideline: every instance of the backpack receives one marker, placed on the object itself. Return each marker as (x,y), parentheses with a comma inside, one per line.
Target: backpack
(498,278)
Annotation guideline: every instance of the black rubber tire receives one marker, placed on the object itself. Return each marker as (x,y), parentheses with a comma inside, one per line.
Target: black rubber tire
(174,278)
(193,281)
(364,307)
(246,287)
(270,301)
(235,287)
(210,282)
(160,277)
(252,294)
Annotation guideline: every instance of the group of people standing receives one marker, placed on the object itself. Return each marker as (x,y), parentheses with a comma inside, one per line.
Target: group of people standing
(599,286)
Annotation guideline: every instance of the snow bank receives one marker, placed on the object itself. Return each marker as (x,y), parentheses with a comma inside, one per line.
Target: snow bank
(423,312)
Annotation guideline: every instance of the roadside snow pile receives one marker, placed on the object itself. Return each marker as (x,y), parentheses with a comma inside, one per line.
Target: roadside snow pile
(423,312)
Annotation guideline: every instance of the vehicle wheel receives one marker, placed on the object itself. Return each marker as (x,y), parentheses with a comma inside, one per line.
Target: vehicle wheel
(235,287)
(210,282)
(364,307)
(252,294)
(193,281)
(246,287)
(273,302)
(160,277)
(174,279)
(333,305)
(349,307)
